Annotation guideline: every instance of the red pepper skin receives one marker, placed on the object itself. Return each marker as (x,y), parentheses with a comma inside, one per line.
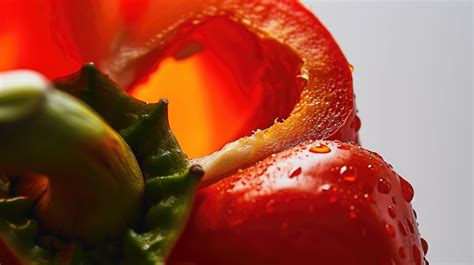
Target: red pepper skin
(321,202)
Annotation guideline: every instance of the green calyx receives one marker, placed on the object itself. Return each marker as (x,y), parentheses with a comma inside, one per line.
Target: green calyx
(168,183)
(144,126)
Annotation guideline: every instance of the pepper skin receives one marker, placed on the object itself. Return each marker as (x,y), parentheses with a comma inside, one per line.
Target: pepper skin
(321,202)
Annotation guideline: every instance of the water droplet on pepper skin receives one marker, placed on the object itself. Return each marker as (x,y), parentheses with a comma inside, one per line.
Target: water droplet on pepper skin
(352,212)
(402,228)
(424,246)
(407,190)
(401,253)
(333,199)
(410,226)
(389,230)
(353,215)
(416,255)
(357,123)
(343,147)
(383,186)
(348,174)
(351,68)
(372,168)
(295,172)
(391,211)
(320,149)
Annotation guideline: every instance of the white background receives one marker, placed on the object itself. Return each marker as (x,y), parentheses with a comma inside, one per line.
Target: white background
(413,82)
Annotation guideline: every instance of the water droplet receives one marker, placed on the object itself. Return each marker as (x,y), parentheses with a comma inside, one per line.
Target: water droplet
(348,174)
(391,211)
(368,198)
(357,123)
(416,255)
(295,172)
(320,149)
(325,187)
(410,226)
(343,170)
(333,199)
(389,230)
(353,215)
(424,245)
(352,212)
(372,168)
(269,206)
(351,68)
(407,190)
(383,186)
(402,228)
(343,146)
(401,253)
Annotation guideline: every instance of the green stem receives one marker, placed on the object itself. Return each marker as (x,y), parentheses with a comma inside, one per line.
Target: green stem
(95,186)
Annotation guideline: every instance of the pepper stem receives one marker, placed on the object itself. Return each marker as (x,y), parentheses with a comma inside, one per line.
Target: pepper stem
(94,184)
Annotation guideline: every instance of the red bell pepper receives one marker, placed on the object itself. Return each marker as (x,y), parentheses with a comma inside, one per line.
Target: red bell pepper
(318,203)
(323,202)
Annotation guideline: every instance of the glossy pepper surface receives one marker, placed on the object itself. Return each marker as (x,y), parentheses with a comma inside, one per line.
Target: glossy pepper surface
(321,202)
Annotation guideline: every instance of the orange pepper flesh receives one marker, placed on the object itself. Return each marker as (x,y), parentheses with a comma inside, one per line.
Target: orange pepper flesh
(222,88)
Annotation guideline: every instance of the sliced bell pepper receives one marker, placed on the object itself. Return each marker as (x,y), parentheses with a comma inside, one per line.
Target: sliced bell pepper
(317,80)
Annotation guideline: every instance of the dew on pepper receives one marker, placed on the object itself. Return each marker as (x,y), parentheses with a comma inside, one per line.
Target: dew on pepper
(333,199)
(351,68)
(391,211)
(295,172)
(401,253)
(372,168)
(325,187)
(320,149)
(343,146)
(407,190)
(424,246)
(368,198)
(383,186)
(416,255)
(402,228)
(389,230)
(348,174)
(357,123)
(410,226)
(352,214)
